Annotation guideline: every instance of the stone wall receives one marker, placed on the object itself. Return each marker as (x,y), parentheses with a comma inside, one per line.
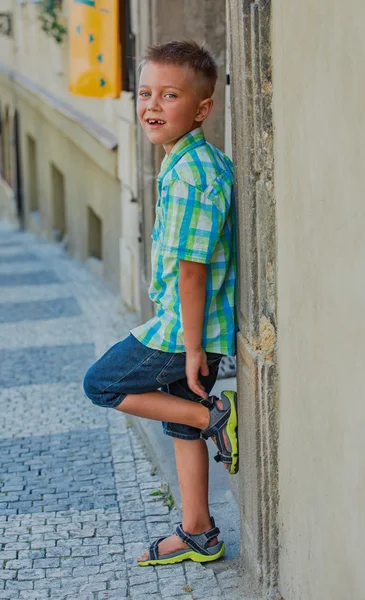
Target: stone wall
(252,139)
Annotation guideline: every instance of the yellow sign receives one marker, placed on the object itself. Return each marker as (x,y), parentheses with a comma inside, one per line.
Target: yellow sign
(95,65)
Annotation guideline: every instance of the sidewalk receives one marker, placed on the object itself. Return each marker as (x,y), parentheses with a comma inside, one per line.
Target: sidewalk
(75,481)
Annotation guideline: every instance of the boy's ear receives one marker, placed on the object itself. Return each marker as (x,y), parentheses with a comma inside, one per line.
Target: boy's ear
(205,106)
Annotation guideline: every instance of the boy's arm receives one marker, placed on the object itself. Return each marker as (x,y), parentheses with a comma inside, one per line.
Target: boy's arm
(192,290)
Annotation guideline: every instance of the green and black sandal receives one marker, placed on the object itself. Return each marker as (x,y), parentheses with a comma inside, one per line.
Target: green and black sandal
(198,550)
(223,420)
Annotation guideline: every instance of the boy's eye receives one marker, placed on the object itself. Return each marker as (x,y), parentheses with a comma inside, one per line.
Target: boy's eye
(170,95)
(144,94)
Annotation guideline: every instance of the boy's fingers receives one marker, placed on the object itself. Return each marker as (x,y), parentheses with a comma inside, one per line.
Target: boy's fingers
(198,389)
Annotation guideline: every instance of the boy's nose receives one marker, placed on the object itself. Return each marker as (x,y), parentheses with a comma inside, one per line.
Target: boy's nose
(153,105)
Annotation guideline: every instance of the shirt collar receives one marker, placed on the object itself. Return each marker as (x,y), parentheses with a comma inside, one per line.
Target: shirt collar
(186,143)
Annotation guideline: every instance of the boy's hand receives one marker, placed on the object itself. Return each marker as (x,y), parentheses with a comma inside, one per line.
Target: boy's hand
(196,360)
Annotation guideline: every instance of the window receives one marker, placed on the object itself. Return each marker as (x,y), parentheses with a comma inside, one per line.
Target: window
(58,201)
(95,235)
(32,174)
(127,43)
(6,147)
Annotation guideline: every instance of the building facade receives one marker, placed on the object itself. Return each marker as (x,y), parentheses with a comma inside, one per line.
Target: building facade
(63,172)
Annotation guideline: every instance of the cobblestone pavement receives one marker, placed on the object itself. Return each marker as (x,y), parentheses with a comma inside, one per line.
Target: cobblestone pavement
(75,481)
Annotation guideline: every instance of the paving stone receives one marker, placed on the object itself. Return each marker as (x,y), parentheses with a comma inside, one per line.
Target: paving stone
(72,563)
(31,574)
(144,590)
(38,595)
(5,575)
(85,551)
(169,571)
(8,595)
(37,278)
(73,582)
(35,311)
(18,564)
(59,363)
(96,541)
(112,595)
(52,584)
(85,571)
(18,257)
(101,559)
(58,552)
(45,563)
(19,585)
(11,555)
(14,545)
(170,589)
(144,577)
(59,573)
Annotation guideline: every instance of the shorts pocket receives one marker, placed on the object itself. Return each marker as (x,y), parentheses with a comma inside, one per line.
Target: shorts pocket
(173,370)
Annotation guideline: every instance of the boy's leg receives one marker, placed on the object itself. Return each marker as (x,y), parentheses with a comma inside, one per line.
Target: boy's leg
(160,406)
(192,465)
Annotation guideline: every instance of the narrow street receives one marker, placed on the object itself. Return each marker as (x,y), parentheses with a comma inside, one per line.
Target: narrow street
(75,481)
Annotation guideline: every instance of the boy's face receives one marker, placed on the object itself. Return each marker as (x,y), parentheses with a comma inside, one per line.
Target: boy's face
(171,102)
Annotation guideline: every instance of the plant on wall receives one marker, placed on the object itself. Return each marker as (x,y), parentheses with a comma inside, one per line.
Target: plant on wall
(50,17)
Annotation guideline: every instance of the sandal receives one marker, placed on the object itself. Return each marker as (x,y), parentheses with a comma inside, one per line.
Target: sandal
(220,420)
(198,550)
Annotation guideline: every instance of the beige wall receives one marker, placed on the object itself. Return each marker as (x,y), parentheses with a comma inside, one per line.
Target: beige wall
(319,118)
(90,180)
(90,173)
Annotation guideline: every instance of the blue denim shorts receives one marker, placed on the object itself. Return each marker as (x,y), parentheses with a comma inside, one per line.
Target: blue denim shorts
(130,367)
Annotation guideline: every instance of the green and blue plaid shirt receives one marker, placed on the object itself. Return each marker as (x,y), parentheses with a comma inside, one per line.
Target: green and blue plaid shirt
(195,220)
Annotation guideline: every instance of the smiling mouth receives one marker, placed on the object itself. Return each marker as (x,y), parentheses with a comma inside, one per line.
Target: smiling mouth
(155,122)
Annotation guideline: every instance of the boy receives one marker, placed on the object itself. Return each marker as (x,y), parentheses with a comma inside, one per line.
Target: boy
(193,287)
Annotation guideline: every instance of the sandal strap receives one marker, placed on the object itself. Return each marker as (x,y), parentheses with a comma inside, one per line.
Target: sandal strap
(218,417)
(223,451)
(227,460)
(153,550)
(192,543)
(212,533)
(198,542)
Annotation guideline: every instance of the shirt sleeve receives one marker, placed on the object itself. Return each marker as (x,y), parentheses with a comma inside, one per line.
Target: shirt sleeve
(192,223)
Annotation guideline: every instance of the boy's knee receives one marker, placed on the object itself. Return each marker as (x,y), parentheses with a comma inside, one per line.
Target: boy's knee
(90,384)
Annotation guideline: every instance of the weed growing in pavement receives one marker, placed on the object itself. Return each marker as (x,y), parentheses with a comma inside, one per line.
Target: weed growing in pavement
(167,497)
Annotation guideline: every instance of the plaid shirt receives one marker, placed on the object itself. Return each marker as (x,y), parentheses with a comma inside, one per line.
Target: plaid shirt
(195,220)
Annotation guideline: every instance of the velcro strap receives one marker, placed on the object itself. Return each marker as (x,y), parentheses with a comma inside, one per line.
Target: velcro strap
(221,445)
(190,540)
(214,429)
(208,402)
(212,533)
(224,458)
(209,432)
(154,549)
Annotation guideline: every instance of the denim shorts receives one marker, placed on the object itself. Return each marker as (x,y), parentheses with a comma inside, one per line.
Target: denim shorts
(130,367)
